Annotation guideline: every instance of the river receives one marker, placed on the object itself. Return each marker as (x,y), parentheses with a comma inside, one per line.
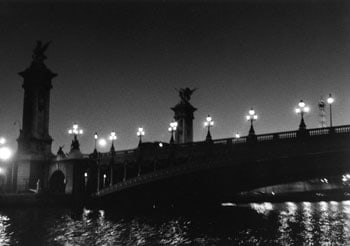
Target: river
(305,223)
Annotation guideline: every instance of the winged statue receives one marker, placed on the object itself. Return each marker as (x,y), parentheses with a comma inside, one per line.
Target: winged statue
(38,52)
(185,94)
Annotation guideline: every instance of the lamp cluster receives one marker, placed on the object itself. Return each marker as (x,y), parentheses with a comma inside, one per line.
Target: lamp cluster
(113,136)
(75,130)
(251,115)
(140,133)
(302,108)
(172,128)
(208,123)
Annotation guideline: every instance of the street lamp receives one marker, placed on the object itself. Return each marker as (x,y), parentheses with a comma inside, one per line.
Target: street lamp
(112,137)
(140,133)
(172,129)
(301,109)
(95,137)
(102,142)
(104,180)
(5,155)
(252,116)
(5,152)
(330,101)
(85,179)
(237,135)
(208,123)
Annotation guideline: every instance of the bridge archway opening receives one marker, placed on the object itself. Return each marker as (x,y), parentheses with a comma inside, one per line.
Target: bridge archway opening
(57,183)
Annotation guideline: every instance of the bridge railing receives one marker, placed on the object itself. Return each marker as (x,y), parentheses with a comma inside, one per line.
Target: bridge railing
(117,153)
(286,135)
(343,129)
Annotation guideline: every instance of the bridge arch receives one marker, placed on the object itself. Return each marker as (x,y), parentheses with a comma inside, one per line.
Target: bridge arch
(57,182)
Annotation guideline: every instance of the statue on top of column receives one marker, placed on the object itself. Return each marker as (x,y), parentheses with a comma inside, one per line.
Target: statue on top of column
(185,94)
(38,52)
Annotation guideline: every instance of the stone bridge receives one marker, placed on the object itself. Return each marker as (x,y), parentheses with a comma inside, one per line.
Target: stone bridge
(216,170)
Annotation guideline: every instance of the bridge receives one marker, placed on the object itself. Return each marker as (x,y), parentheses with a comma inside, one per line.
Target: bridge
(162,173)
(216,170)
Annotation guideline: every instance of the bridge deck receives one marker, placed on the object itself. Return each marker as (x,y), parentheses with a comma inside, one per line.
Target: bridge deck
(181,159)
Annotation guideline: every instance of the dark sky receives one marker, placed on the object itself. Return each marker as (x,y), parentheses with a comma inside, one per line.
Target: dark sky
(118,64)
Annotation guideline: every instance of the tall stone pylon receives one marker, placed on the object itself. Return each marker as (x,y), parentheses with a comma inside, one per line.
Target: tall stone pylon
(184,117)
(34,141)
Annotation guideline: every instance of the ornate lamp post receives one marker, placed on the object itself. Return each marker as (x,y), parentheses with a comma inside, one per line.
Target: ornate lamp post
(252,116)
(302,109)
(112,137)
(140,133)
(208,123)
(95,137)
(172,129)
(75,131)
(330,101)
(104,180)
(85,180)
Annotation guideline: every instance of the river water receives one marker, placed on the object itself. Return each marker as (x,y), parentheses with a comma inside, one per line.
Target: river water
(305,223)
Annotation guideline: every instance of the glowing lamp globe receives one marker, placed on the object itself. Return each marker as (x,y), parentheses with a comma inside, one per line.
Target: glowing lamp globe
(2,140)
(5,153)
(301,104)
(102,142)
(330,99)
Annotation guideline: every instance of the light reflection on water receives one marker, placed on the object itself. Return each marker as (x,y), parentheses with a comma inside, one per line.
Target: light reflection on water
(319,223)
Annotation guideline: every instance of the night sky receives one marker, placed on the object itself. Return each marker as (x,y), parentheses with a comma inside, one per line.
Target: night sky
(118,65)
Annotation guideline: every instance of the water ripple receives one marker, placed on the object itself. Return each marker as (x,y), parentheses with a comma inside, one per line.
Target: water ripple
(322,223)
